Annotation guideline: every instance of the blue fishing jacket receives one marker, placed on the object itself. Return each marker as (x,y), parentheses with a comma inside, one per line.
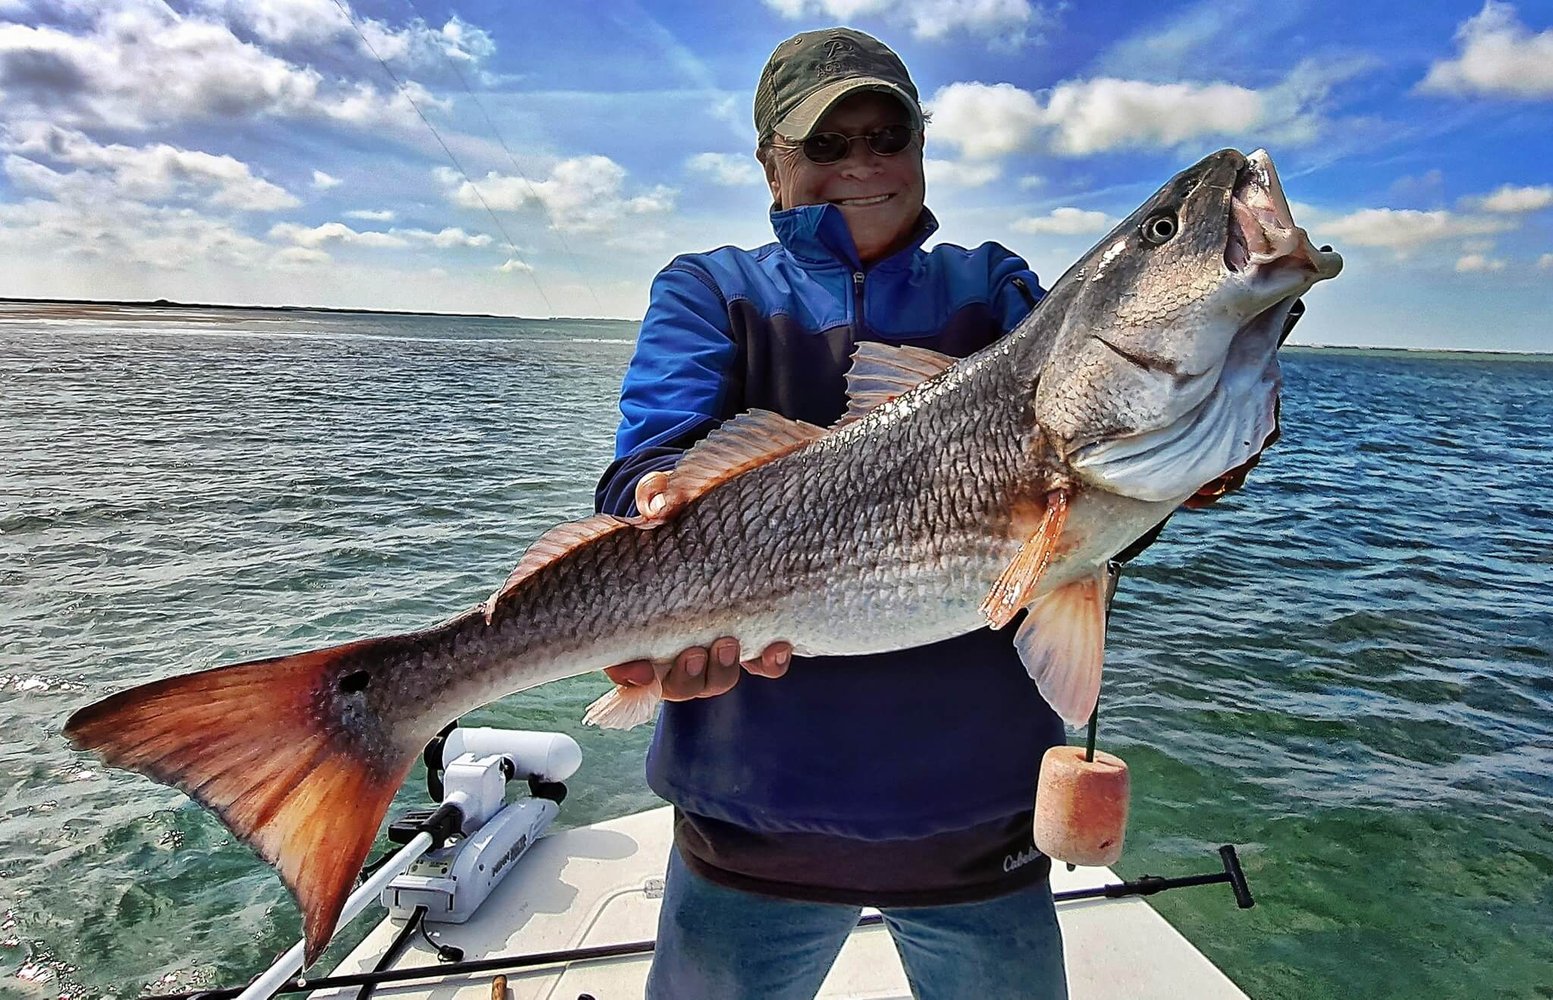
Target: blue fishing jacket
(897,745)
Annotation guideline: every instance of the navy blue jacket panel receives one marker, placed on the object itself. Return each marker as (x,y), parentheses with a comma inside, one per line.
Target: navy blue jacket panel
(898,745)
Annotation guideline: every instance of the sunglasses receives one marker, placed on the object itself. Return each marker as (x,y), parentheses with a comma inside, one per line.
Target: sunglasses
(833,147)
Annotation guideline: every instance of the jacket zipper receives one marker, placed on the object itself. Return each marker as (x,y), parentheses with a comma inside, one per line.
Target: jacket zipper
(857,286)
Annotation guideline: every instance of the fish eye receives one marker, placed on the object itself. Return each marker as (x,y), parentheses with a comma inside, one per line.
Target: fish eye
(1160,228)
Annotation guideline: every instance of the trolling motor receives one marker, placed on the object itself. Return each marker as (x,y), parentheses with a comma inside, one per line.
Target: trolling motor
(468,842)
(469,770)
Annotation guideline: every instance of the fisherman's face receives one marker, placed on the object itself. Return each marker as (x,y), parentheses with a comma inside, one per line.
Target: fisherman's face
(879,196)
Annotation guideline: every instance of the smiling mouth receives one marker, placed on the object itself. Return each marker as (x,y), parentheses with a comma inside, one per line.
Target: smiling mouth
(878,199)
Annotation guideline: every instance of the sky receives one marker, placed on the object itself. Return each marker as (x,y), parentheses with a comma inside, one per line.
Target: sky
(547,159)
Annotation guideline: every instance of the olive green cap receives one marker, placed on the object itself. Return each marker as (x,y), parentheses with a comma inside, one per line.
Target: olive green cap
(809,73)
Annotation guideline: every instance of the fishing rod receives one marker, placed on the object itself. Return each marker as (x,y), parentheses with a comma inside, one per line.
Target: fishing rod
(1146,885)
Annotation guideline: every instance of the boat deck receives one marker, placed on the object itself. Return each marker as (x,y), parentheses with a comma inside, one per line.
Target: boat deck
(600,885)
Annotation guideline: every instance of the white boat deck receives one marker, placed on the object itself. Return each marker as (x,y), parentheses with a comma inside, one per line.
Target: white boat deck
(599,885)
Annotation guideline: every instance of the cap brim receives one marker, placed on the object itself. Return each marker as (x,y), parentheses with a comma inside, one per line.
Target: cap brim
(800,123)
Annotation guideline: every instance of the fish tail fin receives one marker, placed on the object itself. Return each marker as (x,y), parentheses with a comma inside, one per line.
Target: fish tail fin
(625,707)
(252,743)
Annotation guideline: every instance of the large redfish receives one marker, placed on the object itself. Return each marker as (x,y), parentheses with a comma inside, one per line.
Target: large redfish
(952,496)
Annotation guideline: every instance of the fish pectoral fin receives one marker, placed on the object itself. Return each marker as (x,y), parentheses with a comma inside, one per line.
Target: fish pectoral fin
(1062,645)
(751,439)
(625,707)
(880,372)
(1013,589)
(553,545)
(250,743)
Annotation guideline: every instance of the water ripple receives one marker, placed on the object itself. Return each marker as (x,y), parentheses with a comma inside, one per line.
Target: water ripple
(1345,668)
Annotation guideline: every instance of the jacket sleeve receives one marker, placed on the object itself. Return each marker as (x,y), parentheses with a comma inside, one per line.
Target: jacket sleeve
(674,388)
(1015,289)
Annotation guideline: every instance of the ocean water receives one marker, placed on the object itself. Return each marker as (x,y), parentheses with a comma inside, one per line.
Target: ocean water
(1346,670)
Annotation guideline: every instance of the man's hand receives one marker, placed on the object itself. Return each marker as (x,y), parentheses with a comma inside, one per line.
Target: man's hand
(702,672)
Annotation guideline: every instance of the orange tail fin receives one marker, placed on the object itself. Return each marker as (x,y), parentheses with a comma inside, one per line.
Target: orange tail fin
(250,743)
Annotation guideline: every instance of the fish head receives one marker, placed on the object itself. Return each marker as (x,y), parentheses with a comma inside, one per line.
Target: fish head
(1163,374)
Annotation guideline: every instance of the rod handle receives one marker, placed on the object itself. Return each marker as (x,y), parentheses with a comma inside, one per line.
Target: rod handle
(1237,877)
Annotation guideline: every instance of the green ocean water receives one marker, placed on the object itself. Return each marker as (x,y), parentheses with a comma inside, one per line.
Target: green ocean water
(1346,670)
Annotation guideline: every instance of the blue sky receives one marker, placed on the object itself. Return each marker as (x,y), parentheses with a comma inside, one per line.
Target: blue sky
(258,151)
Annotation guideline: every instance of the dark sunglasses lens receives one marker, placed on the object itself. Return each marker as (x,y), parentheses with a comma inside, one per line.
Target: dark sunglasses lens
(889,140)
(826,147)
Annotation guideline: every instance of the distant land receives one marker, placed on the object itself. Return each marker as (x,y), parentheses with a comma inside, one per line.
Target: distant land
(169,304)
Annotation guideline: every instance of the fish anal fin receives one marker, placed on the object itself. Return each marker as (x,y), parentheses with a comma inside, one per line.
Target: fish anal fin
(625,707)
(554,544)
(1014,587)
(1062,645)
(248,742)
(751,439)
(881,372)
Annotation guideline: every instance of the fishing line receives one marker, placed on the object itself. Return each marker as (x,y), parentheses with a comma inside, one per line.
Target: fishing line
(405,92)
(560,235)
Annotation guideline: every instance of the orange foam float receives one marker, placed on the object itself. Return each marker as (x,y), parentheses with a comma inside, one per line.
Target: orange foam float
(1081,806)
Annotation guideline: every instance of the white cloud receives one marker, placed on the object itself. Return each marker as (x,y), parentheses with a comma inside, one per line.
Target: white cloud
(338,232)
(371,215)
(1545,262)
(727,169)
(320,27)
(332,232)
(324,182)
(1512,200)
(136,64)
(84,218)
(156,173)
(1474,263)
(984,120)
(1499,57)
(299,258)
(444,239)
(513,265)
(1406,230)
(1066,222)
(1030,182)
(585,194)
(1006,21)
(1080,117)
(1105,113)
(960,173)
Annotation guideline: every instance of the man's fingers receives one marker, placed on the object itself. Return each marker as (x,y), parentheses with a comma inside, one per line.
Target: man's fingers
(720,677)
(725,651)
(692,661)
(690,674)
(773,660)
(651,493)
(708,671)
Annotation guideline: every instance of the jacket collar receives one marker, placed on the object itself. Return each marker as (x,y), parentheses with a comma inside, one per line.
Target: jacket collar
(818,234)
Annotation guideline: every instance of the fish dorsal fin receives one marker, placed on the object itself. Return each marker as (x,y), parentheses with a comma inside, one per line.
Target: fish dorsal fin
(748,440)
(880,372)
(1013,589)
(552,545)
(1062,645)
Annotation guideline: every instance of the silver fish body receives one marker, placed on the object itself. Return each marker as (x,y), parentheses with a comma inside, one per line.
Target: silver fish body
(955,495)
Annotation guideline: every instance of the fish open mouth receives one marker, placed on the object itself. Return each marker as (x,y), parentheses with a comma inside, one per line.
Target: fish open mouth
(1262,233)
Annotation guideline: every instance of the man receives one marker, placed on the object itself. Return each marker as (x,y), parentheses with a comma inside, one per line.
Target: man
(904,780)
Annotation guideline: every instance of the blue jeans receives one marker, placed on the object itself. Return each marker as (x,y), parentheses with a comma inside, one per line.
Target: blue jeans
(716,943)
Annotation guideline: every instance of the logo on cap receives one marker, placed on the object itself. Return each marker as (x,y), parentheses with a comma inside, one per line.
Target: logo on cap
(841,58)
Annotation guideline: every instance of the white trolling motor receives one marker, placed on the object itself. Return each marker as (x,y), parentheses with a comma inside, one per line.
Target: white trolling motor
(472,768)
(454,855)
